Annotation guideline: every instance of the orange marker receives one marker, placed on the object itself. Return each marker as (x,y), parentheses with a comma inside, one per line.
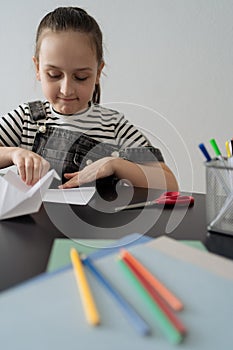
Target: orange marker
(174,321)
(168,296)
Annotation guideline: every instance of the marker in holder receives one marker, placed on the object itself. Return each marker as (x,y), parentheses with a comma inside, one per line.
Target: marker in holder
(219,196)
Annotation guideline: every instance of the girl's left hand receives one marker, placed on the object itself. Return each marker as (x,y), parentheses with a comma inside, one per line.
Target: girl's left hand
(99,169)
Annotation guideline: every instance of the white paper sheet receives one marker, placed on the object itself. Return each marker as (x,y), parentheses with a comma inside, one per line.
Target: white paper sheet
(78,196)
(19,199)
(207,260)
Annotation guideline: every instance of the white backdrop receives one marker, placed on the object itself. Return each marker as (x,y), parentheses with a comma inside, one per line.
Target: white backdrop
(169,67)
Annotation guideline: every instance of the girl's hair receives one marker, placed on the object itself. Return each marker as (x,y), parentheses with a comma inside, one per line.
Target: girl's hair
(76,19)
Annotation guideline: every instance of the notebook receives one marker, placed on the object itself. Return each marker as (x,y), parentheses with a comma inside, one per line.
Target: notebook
(212,262)
(48,314)
(95,248)
(60,253)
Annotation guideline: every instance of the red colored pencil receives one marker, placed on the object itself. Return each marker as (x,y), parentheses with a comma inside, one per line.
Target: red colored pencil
(156,297)
(166,294)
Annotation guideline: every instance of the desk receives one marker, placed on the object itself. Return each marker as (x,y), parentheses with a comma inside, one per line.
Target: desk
(25,242)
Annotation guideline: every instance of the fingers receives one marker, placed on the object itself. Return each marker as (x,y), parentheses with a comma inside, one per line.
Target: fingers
(77,179)
(98,169)
(70,175)
(21,170)
(74,182)
(45,166)
(33,170)
(36,168)
(31,166)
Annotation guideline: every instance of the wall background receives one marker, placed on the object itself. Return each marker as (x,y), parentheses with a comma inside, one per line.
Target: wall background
(169,67)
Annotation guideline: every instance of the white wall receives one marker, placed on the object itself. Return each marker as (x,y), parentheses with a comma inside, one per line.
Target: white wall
(168,67)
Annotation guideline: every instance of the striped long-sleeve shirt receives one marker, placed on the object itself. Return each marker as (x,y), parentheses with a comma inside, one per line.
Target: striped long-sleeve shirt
(17,128)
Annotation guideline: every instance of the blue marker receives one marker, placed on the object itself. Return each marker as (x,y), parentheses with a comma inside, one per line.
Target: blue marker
(204,151)
(136,320)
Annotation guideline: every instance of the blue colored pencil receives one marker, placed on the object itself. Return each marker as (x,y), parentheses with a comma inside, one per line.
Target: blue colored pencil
(136,320)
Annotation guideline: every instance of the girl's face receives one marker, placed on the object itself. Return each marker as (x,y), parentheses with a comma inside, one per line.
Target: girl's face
(68,70)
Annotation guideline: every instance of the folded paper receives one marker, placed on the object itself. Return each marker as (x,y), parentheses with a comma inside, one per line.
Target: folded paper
(17,198)
(77,196)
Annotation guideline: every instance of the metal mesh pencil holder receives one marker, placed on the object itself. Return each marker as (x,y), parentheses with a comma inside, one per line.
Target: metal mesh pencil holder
(219,196)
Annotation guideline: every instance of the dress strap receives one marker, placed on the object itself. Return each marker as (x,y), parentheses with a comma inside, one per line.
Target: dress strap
(37,111)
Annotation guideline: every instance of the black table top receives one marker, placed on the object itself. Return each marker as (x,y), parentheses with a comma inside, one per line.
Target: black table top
(25,242)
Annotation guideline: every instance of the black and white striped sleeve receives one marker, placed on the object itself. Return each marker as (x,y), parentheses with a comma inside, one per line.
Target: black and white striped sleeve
(11,127)
(127,135)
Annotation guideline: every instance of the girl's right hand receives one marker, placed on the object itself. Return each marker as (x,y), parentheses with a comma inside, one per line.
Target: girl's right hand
(31,166)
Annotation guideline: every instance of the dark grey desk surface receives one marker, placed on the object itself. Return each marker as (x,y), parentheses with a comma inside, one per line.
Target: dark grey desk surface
(25,242)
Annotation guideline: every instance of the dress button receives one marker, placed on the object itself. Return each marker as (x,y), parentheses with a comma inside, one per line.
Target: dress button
(115,154)
(88,161)
(42,129)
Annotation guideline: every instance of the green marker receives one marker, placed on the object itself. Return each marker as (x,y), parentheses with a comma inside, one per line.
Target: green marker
(221,178)
(215,148)
(161,319)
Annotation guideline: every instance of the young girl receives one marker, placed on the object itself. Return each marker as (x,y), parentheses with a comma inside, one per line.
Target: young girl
(69,131)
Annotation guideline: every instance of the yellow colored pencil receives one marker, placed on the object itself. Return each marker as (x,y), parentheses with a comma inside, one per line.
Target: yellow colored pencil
(89,306)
